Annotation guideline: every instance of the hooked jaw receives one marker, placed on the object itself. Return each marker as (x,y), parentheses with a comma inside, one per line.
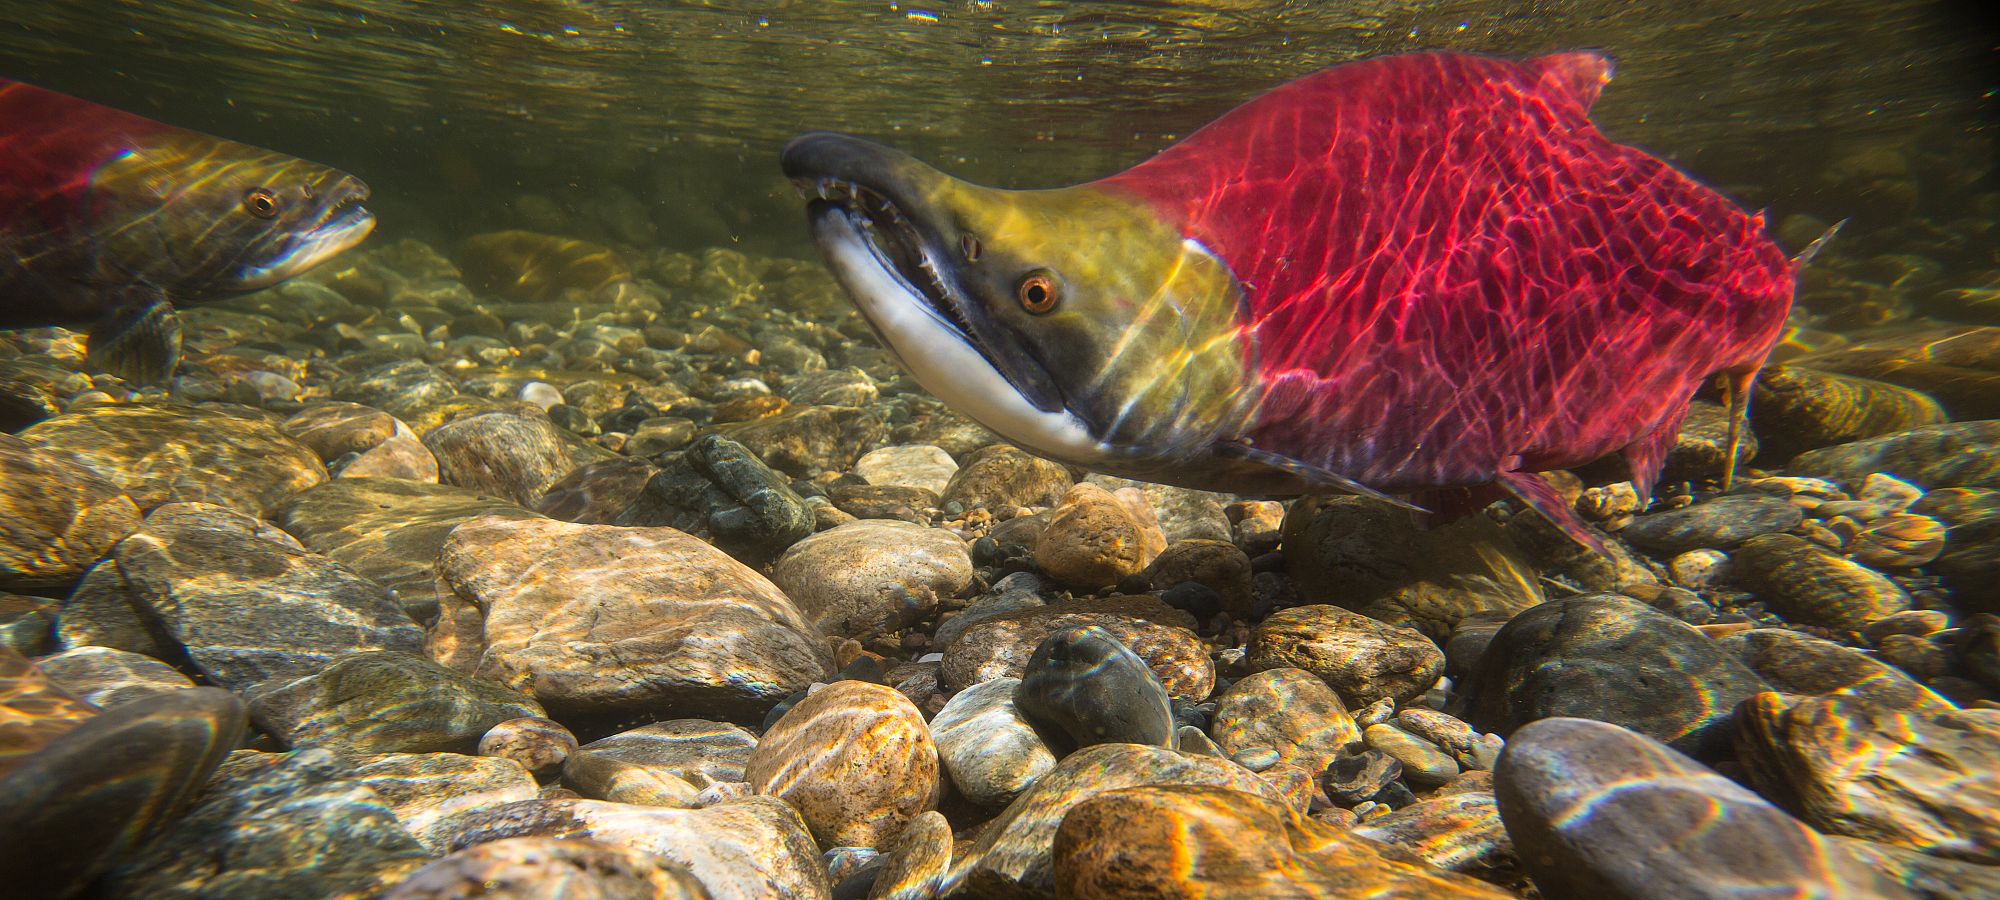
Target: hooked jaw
(904,283)
(341,223)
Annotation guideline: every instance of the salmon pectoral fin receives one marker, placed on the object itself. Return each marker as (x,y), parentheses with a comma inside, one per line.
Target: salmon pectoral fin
(1307,472)
(139,342)
(1646,456)
(1539,496)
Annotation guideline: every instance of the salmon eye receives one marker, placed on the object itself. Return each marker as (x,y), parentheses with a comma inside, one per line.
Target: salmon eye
(260,203)
(969,247)
(1038,292)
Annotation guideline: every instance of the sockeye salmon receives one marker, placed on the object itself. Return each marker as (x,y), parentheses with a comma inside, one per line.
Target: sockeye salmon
(107,219)
(1414,274)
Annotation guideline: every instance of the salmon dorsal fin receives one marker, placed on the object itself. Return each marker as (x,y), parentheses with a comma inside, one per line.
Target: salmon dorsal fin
(1578,75)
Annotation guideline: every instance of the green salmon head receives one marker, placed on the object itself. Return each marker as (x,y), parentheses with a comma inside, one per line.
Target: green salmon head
(195,214)
(1072,322)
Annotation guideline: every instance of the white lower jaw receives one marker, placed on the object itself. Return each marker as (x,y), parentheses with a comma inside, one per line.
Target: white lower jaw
(311,250)
(940,359)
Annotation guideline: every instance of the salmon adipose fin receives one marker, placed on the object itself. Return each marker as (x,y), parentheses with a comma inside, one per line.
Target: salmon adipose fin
(139,342)
(1530,489)
(1309,472)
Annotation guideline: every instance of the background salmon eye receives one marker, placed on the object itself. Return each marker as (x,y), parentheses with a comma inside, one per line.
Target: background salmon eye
(260,203)
(1038,292)
(969,246)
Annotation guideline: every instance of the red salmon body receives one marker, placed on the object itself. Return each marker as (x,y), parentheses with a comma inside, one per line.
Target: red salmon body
(1449,274)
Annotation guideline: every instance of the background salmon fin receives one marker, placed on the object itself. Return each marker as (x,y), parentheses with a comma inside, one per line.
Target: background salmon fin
(1309,473)
(139,342)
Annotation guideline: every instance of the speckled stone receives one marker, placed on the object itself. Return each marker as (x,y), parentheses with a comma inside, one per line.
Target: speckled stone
(873,577)
(1001,477)
(538,745)
(1460,832)
(1000,647)
(1216,565)
(102,612)
(276,825)
(1424,764)
(1720,523)
(1587,804)
(1376,560)
(1851,767)
(719,491)
(1362,659)
(1970,563)
(601,623)
(1801,664)
(883,501)
(1955,454)
(1800,409)
(538,868)
(1094,538)
(107,678)
(1184,514)
(698,751)
(387,702)
(1613,659)
(512,456)
(389,530)
(1288,710)
(916,868)
(333,429)
(1811,585)
(855,759)
(605,777)
(92,794)
(990,751)
(1201,841)
(57,517)
(1083,687)
(596,493)
(908,465)
(1012,853)
(252,610)
(756,847)
(427,791)
(805,440)
(161,454)
(27,624)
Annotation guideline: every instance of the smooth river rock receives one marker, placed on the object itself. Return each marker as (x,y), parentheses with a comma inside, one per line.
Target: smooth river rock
(252,610)
(855,759)
(388,702)
(874,576)
(1361,658)
(1610,658)
(57,518)
(540,868)
(603,623)
(1000,646)
(990,751)
(1083,687)
(1288,710)
(160,454)
(1203,841)
(1597,811)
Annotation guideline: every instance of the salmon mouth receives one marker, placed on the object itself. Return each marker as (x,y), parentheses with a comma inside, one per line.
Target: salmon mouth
(896,243)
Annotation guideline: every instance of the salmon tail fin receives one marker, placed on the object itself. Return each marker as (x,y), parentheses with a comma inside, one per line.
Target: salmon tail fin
(1736,390)
(1541,497)
(1812,250)
(1319,477)
(139,342)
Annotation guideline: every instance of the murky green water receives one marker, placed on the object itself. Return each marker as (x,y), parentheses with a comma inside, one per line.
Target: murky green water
(458,111)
